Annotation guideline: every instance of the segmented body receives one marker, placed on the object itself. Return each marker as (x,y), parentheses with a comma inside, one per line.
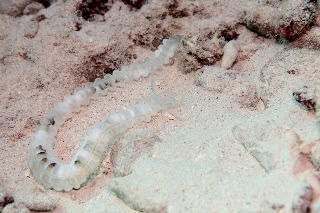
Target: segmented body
(46,167)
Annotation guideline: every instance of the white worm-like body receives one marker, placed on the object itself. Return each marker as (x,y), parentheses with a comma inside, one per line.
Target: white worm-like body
(230,53)
(47,168)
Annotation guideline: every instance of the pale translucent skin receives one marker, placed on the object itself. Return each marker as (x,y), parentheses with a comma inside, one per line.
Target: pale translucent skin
(46,167)
(230,53)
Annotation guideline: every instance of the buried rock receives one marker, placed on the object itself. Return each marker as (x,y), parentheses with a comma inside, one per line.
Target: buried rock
(34,198)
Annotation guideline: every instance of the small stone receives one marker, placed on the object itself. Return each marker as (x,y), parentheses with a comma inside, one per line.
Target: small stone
(33,8)
(34,198)
(230,53)
(15,208)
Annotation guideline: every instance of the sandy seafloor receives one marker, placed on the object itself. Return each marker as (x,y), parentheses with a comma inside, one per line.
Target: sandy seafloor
(225,146)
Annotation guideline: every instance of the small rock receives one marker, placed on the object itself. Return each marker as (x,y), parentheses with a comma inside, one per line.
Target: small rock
(230,53)
(33,8)
(16,208)
(34,198)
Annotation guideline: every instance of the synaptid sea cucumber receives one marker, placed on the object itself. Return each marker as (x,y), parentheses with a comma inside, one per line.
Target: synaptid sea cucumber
(46,167)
